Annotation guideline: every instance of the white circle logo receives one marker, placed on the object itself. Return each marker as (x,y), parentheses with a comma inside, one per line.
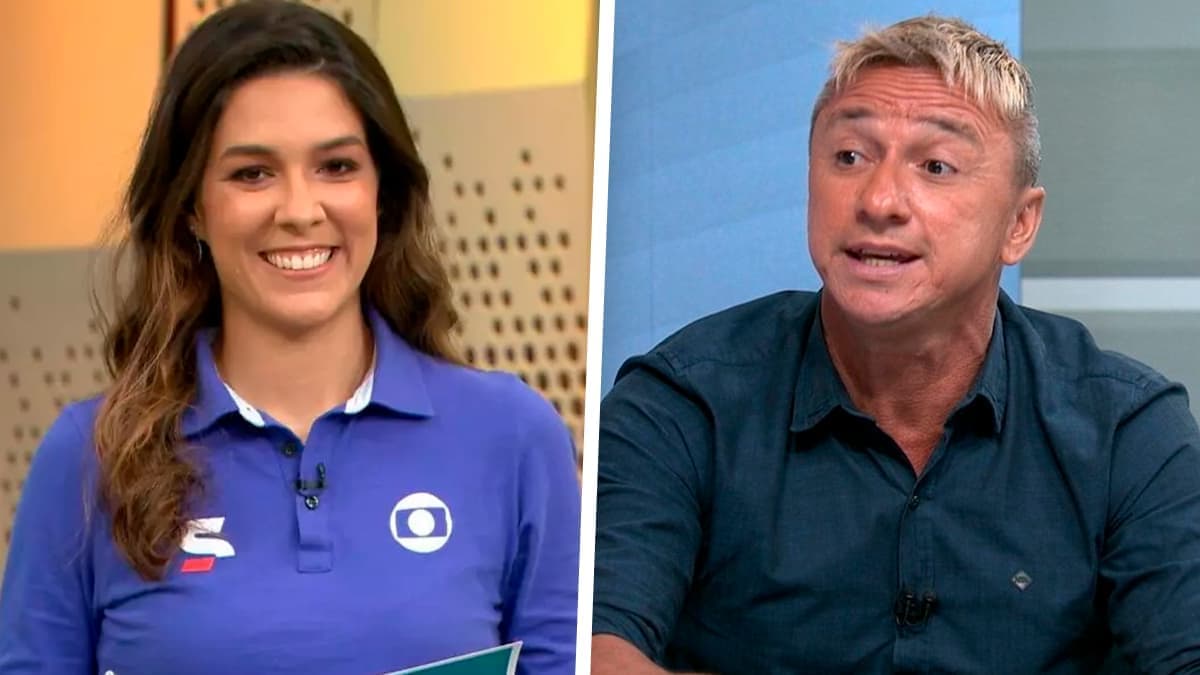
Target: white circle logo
(421,523)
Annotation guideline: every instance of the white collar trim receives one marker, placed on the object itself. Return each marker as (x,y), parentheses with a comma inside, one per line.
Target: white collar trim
(357,402)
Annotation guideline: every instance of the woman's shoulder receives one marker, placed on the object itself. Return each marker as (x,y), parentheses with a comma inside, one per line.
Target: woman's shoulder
(72,429)
(502,406)
(65,458)
(462,385)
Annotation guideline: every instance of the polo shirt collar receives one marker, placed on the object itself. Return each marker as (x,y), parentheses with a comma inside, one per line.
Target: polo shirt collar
(212,401)
(399,376)
(394,382)
(819,388)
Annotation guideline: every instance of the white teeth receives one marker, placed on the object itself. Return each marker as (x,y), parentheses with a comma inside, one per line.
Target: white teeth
(297,261)
(877,259)
(872,261)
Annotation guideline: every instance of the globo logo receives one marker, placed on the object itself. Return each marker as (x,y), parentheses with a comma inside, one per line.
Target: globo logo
(421,522)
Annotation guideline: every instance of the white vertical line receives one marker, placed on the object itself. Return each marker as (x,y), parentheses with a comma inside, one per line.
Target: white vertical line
(595,336)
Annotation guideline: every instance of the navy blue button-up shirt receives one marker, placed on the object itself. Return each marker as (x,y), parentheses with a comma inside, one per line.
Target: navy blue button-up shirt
(751,520)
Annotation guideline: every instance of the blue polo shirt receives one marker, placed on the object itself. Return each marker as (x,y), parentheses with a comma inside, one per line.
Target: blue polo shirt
(751,520)
(437,513)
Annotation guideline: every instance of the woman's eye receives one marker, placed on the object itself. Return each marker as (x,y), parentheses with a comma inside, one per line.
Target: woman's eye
(338,167)
(250,174)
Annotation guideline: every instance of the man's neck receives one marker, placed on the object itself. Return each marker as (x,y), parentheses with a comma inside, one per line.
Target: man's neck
(909,380)
(295,376)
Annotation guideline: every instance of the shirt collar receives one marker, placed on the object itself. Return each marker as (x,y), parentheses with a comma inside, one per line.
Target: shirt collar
(357,402)
(401,389)
(819,388)
(993,380)
(213,400)
(399,378)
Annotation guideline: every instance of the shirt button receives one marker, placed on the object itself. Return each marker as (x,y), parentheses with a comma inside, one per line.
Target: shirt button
(290,448)
(311,502)
(913,502)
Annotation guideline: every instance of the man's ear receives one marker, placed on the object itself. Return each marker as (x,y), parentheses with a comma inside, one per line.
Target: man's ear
(1023,229)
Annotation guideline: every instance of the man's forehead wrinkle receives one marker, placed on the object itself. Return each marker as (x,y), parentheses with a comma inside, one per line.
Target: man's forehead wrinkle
(953,114)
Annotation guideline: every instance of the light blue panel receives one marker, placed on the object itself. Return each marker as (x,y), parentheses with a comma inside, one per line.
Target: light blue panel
(708,155)
(718,264)
(629,324)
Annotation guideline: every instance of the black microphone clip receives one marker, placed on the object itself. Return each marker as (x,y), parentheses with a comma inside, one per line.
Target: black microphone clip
(910,612)
(304,486)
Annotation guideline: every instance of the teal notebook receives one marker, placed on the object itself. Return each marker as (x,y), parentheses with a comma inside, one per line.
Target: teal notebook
(500,660)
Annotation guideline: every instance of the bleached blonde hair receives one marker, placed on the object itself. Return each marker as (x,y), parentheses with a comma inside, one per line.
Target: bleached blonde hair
(969,60)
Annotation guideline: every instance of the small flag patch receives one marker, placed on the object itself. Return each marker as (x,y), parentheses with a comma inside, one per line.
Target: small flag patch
(198,564)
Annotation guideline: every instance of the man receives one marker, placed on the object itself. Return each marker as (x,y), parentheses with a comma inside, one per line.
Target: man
(905,471)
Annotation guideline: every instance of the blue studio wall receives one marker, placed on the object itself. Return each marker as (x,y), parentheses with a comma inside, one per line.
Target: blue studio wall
(708,155)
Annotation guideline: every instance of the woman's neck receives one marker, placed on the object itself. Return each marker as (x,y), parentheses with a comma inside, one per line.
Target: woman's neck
(297,376)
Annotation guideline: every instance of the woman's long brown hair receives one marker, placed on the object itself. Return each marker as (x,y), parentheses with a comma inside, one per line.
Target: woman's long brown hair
(166,291)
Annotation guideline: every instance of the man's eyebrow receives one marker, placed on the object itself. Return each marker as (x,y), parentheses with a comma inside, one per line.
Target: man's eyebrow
(942,122)
(257,150)
(851,115)
(953,126)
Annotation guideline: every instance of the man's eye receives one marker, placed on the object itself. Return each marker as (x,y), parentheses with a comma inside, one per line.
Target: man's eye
(847,157)
(938,167)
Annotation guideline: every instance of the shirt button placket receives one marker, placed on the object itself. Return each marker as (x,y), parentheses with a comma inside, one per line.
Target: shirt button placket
(315,553)
(909,611)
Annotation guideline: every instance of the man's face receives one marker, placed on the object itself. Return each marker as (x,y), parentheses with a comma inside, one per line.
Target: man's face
(914,205)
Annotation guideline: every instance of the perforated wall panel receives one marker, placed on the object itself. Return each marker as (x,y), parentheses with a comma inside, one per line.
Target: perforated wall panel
(512,195)
(49,356)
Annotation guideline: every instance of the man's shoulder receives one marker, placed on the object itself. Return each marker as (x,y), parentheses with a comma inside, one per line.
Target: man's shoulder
(753,332)
(1066,351)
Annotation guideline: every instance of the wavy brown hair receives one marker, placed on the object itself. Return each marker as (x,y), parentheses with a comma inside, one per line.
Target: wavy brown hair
(166,292)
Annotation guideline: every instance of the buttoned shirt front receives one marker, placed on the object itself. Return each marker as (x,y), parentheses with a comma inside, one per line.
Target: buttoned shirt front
(750,519)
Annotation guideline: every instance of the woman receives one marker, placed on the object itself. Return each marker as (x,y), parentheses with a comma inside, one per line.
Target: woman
(291,471)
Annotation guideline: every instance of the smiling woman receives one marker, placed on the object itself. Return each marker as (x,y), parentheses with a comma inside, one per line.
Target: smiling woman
(289,426)
(287,207)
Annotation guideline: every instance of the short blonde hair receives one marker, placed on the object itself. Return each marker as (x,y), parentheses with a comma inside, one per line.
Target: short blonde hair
(982,67)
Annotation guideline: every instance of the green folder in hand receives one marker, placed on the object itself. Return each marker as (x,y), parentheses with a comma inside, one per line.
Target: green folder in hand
(500,660)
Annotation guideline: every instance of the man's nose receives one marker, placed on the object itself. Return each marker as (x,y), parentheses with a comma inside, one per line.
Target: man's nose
(883,198)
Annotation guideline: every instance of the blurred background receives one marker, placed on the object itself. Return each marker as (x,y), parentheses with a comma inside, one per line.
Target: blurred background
(501,96)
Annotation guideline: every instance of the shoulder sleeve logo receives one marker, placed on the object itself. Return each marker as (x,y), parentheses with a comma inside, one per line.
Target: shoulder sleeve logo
(421,523)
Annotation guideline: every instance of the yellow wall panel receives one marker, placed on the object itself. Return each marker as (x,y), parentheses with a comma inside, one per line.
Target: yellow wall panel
(78,78)
(484,45)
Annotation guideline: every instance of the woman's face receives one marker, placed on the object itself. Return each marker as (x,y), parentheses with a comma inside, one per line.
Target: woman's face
(287,203)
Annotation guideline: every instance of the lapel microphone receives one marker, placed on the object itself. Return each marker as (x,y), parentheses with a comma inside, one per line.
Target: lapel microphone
(306,487)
